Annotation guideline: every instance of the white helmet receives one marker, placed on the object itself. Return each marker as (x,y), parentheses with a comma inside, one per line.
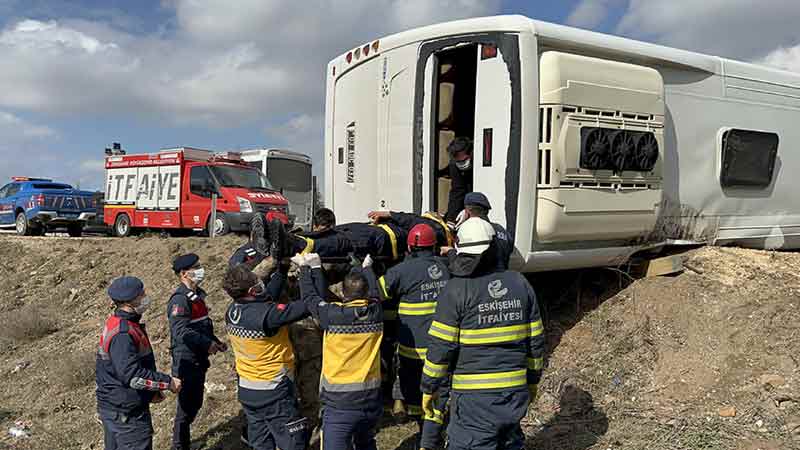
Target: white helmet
(474,236)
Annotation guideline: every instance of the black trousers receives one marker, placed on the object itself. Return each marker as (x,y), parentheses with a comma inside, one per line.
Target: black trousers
(273,418)
(190,400)
(127,431)
(487,420)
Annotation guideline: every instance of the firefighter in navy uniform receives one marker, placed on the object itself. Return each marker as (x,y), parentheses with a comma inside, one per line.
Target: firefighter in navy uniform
(193,340)
(350,384)
(412,288)
(488,334)
(477,205)
(257,327)
(126,376)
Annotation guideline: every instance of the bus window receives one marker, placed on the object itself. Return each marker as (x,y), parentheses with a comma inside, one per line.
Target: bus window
(290,175)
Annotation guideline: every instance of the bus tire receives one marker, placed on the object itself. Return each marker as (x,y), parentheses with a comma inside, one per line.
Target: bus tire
(122,226)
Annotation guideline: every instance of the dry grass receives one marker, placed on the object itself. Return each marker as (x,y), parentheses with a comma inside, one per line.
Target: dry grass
(27,324)
(75,369)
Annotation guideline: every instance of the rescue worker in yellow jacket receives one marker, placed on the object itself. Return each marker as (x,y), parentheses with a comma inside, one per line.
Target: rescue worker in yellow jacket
(257,327)
(486,331)
(350,384)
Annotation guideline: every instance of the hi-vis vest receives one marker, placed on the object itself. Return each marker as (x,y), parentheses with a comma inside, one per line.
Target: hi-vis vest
(351,365)
(263,357)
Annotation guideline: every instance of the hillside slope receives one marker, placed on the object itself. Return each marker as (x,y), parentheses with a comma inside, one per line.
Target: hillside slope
(652,366)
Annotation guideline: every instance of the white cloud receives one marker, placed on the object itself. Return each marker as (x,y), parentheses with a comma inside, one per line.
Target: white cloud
(784,58)
(740,29)
(589,13)
(221,66)
(15,129)
(35,35)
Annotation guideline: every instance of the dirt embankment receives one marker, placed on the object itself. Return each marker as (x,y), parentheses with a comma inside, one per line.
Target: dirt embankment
(655,364)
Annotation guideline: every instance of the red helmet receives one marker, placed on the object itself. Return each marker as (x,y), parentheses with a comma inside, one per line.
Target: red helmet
(421,235)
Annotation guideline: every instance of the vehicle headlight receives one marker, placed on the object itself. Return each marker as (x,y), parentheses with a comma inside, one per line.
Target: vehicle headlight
(245,205)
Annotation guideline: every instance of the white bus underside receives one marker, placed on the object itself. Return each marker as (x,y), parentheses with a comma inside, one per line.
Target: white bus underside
(535,107)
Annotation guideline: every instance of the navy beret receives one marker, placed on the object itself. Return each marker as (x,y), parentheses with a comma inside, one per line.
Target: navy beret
(477,199)
(184,262)
(125,289)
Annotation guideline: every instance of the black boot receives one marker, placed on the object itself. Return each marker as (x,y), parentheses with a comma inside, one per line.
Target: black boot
(259,235)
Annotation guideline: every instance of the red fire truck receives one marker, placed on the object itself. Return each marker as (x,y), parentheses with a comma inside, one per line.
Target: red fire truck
(173,189)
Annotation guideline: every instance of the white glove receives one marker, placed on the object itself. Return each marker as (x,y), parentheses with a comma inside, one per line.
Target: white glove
(313,260)
(367,262)
(298,260)
(460,218)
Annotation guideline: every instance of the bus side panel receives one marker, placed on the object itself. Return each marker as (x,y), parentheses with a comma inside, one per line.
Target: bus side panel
(697,207)
(397,113)
(354,178)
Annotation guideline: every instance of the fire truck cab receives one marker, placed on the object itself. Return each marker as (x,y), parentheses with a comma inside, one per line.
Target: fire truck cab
(174,188)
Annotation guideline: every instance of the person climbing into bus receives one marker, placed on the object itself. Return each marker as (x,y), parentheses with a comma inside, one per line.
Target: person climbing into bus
(460,172)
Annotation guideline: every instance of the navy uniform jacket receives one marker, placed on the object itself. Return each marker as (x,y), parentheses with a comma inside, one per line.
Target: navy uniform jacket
(505,246)
(261,344)
(125,370)
(351,365)
(488,333)
(460,186)
(410,291)
(191,329)
(407,221)
(246,254)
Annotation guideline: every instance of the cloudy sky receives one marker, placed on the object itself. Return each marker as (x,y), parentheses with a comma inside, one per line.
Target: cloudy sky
(76,75)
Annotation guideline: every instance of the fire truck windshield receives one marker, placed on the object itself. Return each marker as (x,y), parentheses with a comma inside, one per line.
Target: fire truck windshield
(241,177)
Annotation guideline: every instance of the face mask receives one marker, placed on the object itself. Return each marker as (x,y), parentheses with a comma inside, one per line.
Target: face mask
(465,164)
(258,290)
(197,275)
(144,303)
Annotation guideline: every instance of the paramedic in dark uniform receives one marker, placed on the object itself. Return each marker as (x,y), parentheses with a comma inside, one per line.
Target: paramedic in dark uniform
(411,289)
(259,335)
(487,334)
(193,340)
(350,383)
(477,205)
(460,171)
(249,257)
(125,374)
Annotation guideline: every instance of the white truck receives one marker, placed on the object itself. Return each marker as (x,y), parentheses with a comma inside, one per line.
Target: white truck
(291,173)
(590,147)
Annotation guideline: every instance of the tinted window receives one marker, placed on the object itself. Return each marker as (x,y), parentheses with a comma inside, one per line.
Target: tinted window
(51,186)
(255,164)
(4,190)
(12,190)
(201,182)
(239,176)
(748,159)
(289,174)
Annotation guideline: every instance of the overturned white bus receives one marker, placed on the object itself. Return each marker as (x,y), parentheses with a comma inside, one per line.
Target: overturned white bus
(591,147)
